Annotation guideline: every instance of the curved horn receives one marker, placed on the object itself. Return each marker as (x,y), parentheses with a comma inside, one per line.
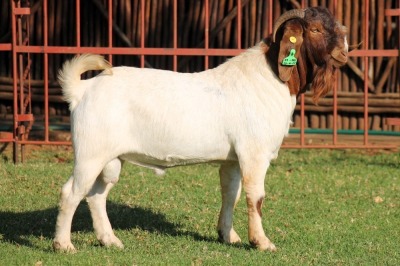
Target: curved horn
(294,13)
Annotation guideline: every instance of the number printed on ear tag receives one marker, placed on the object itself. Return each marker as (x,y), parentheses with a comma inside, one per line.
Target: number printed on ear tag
(290,60)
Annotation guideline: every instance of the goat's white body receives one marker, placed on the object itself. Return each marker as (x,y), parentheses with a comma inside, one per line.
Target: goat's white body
(162,119)
(236,114)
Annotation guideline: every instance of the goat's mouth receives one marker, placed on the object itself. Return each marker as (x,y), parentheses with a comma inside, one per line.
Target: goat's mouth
(339,58)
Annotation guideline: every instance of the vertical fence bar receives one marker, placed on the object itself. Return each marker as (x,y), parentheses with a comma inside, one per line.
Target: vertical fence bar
(335,100)
(15,76)
(78,23)
(21,81)
(366,68)
(29,62)
(142,33)
(335,111)
(175,35)
(206,31)
(239,24)
(270,16)
(46,71)
(302,121)
(20,66)
(110,29)
(302,107)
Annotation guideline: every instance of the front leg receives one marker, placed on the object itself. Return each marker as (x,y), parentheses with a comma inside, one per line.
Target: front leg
(253,176)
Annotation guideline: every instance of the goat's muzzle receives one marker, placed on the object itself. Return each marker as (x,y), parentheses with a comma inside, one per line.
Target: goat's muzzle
(340,57)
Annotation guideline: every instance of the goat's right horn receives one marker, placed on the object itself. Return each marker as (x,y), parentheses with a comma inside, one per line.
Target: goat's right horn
(294,13)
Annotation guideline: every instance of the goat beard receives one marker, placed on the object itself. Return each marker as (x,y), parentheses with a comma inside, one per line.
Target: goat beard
(324,79)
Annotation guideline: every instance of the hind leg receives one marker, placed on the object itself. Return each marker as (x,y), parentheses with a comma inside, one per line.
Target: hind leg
(62,240)
(230,179)
(97,203)
(76,188)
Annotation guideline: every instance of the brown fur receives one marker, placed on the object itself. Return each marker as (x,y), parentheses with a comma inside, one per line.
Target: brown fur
(319,51)
(259,206)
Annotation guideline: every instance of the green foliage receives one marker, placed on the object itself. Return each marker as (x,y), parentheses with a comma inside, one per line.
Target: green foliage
(322,207)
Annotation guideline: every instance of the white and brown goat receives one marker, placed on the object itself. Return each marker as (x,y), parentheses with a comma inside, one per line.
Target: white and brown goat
(236,114)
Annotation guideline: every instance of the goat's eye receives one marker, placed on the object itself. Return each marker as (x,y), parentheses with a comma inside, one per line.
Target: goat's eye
(314,30)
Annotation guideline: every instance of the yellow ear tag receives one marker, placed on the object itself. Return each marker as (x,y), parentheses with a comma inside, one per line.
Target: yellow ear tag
(292,39)
(290,60)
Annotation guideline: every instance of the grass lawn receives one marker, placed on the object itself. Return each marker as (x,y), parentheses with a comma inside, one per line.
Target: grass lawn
(322,207)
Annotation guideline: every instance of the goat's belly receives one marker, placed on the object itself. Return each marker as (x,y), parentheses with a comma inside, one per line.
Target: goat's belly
(171,160)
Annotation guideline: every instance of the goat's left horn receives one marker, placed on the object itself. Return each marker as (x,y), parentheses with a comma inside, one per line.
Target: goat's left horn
(294,13)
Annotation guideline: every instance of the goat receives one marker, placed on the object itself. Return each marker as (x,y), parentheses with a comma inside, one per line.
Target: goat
(236,114)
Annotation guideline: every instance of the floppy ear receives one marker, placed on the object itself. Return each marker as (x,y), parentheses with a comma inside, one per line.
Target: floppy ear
(292,39)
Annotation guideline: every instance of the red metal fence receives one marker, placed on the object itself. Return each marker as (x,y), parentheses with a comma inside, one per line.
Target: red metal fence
(21,51)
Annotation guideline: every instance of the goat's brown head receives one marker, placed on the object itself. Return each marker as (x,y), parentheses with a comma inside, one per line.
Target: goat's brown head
(320,46)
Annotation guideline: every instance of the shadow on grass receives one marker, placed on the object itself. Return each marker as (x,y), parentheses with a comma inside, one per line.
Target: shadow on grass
(16,228)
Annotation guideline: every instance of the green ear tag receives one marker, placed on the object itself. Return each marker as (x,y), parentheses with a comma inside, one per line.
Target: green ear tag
(290,60)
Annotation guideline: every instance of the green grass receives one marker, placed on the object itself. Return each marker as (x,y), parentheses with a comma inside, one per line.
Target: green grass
(322,208)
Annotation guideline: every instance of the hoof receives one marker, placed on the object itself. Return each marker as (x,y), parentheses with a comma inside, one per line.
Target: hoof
(231,238)
(264,245)
(111,241)
(269,247)
(63,247)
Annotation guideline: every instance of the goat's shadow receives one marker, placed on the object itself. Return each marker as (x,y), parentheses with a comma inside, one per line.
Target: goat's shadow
(17,228)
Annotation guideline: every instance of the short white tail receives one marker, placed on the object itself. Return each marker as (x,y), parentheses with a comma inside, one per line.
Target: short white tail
(70,75)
